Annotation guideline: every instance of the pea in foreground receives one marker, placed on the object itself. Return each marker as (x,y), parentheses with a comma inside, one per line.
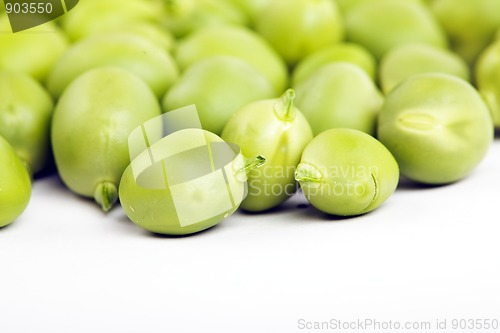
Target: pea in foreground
(347,172)
(186,182)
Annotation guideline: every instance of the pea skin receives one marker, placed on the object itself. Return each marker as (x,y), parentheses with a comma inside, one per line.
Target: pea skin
(347,172)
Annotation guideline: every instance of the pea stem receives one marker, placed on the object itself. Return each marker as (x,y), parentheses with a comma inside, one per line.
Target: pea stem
(106,195)
(251,164)
(284,108)
(308,173)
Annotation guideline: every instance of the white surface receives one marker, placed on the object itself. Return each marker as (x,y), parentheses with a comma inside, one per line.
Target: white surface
(426,254)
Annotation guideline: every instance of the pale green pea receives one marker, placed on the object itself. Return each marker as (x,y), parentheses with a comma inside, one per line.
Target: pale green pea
(90,128)
(238,42)
(15,184)
(437,127)
(341,52)
(296,28)
(94,17)
(470,25)
(218,86)
(488,79)
(153,199)
(135,54)
(339,95)
(384,24)
(184,17)
(25,114)
(276,129)
(33,51)
(409,59)
(347,172)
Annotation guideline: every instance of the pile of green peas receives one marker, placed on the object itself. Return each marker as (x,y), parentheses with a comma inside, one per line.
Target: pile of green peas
(337,98)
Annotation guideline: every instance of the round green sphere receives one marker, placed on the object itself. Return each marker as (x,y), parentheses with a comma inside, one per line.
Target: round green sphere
(437,126)
(347,172)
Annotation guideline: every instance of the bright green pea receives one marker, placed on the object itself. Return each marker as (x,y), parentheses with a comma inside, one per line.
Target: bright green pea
(186,192)
(437,126)
(90,128)
(252,8)
(94,17)
(218,86)
(409,59)
(276,129)
(339,95)
(347,172)
(238,42)
(155,33)
(33,51)
(15,184)
(342,52)
(135,54)
(296,28)
(25,114)
(488,79)
(470,25)
(384,24)
(184,17)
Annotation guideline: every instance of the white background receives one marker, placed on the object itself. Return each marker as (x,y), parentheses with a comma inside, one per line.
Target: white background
(428,253)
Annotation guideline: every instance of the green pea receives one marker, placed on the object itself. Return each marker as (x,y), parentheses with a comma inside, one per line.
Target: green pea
(342,52)
(347,172)
(218,86)
(252,8)
(437,126)
(94,17)
(339,95)
(25,113)
(296,28)
(409,59)
(488,79)
(184,17)
(15,184)
(138,55)
(90,129)
(33,51)
(238,42)
(276,129)
(470,25)
(384,24)
(155,33)
(191,189)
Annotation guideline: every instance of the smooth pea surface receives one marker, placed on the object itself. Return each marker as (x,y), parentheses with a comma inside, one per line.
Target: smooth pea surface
(470,25)
(25,114)
(276,129)
(15,184)
(135,54)
(33,51)
(384,24)
(237,42)
(90,129)
(152,200)
(94,17)
(184,17)
(288,27)
(488,79)
(347,172)
(339,95)
(218,86)
(411,59)
(437,127)
(342,52)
